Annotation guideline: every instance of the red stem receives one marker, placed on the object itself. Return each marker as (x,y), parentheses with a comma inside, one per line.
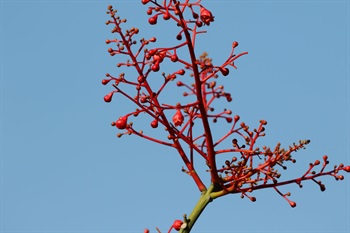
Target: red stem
(202,108)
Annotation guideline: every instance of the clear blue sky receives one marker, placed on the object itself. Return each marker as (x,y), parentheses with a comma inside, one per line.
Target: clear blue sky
(64,170)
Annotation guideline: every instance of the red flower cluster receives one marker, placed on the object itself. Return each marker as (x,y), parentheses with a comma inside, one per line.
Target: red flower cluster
(189,124)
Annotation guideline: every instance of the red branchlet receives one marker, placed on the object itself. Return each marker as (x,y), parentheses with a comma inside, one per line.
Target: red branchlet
(252,167)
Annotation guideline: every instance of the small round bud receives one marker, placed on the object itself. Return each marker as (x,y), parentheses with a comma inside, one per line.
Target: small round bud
(152,52)
(155,67)
(121,123)
(174,58)
(199,24)
(181,72)
(347,168)
(224,71)
(179,83)
(143,99)
(177,224)
(263,122)
(234,141)
(166,16)
(105,81)
(108,97)
(234,44)
(292,204)
(153,20)
(153,39)
(322,187)
(141,79)
(154,124)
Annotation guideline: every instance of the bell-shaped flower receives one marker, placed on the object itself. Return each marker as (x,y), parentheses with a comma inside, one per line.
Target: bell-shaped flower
(206,16)
(178,118)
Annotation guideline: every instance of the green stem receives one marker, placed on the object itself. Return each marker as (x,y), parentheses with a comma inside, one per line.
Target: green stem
(198,209)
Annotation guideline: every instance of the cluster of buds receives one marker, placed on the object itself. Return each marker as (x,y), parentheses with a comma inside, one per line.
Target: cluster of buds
(191,123)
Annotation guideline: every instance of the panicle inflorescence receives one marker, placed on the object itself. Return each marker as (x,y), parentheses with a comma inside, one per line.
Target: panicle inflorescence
(191,122)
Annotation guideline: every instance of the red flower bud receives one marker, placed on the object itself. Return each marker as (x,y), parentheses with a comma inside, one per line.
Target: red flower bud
(174,58)
(177,224)
(141,79)
(155,67)
(199,24)
(178,118)
(166,16)
(122,122)
(146,231)
(144,2)
(143,99)
(105,81)
(153,39)
(108,97)
(153,20)
(181,72)
(347,168)
(179,83)
(224,71)
(206,16)
(234,44)
(158,57)
(154,124)
(152,52)
(292,204)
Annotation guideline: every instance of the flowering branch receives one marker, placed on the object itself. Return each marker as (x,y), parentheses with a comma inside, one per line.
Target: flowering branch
(250,167)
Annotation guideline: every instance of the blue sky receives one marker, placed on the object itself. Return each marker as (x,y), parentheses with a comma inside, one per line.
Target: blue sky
(64,170)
